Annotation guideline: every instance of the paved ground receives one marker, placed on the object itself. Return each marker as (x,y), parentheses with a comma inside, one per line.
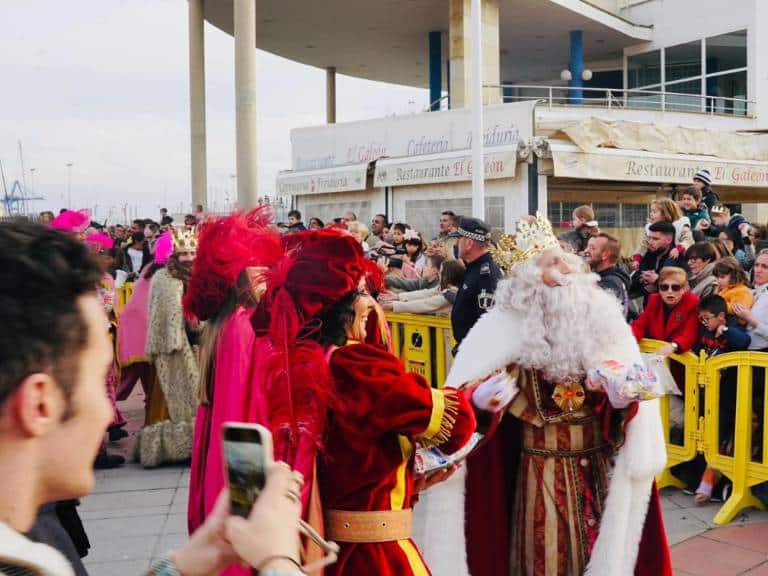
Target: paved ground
(135,515)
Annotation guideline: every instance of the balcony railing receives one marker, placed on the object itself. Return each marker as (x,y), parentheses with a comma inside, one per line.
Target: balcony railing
(620,98)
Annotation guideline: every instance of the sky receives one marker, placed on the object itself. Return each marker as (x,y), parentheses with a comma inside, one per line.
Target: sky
(104,85)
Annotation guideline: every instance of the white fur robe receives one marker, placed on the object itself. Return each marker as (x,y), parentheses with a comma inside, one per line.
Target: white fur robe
(496,342)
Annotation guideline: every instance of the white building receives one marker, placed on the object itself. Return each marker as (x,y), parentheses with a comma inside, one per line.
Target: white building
(654,90)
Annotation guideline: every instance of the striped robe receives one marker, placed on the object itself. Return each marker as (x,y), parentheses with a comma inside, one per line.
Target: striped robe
(562,480)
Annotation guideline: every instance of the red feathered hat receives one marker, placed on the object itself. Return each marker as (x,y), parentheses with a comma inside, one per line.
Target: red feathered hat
(227,246)
(321,266)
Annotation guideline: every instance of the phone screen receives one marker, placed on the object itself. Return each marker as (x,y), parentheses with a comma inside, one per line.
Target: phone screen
(246,468)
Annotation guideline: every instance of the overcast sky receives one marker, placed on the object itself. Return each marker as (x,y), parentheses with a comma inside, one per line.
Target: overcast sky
(104,84)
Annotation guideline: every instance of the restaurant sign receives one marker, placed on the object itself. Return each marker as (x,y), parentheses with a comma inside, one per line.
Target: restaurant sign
(647,167)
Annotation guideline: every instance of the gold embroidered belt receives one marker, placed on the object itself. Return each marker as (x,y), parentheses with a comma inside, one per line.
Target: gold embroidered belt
(366,527)
(564,453)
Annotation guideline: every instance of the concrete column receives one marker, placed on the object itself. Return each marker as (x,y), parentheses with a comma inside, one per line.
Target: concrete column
(576,67)
(245,102)
(460,52)
(330,95)
(435,69)
(197,104)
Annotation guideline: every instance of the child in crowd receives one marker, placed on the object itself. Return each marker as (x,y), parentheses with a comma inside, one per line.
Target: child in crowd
(692,207)
(665,210)
(719,334)
(732,284)
(414,250)
(584,227)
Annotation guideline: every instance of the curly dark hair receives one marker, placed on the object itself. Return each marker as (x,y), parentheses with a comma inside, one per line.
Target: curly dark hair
(337,319)
(43,273)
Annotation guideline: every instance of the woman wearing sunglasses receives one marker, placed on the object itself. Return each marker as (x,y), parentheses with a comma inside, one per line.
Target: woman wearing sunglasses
(670,314)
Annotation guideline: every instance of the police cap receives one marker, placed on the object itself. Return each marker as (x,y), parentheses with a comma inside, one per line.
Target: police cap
(474,229)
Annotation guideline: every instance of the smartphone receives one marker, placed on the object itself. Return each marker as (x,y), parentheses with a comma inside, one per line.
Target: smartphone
(247,457)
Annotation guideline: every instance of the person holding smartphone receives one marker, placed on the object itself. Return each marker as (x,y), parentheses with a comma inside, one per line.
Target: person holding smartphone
(55,353)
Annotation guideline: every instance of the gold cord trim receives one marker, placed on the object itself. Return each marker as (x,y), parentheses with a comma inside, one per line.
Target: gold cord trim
(445,409)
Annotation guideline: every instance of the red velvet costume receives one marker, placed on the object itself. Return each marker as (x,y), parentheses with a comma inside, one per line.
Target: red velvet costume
(368,461)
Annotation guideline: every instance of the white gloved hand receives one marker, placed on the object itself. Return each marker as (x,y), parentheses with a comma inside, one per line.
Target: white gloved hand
(496,393)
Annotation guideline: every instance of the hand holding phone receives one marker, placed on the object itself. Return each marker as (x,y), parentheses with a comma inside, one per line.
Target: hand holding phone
(247,458)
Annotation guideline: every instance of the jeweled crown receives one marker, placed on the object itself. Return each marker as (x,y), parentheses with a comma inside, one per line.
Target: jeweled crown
(184,241)
(534,236)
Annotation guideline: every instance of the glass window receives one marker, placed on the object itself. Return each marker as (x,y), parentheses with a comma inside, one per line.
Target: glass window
(607,215)
(424,215)
(327,211)
(728,86)
(727,51)
(684,103)
(683,61)
(634,215)
(644,69)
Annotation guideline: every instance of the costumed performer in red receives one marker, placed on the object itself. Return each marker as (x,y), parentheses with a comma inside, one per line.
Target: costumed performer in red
(568,373)
(379,412)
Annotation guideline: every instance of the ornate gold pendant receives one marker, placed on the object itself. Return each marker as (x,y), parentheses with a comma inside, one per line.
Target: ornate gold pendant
(569,396)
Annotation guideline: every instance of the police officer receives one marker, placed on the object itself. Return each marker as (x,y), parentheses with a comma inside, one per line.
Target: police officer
(476,293)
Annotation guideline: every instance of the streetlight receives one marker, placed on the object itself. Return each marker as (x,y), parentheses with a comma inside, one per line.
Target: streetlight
(69,185)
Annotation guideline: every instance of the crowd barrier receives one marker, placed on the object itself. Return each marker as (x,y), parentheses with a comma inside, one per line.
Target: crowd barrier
(424,343)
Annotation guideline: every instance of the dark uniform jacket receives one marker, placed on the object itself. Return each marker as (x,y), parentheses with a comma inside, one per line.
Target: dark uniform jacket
(475,295)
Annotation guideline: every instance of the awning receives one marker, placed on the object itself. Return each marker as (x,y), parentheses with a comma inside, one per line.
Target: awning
(339,179)
(641,166)
(456,166)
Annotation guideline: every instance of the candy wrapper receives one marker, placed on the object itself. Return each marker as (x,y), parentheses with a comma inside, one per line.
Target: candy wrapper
(623,384)
(428,460)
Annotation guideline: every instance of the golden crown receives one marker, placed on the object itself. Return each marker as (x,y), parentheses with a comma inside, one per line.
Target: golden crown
(534,236)
(184,241)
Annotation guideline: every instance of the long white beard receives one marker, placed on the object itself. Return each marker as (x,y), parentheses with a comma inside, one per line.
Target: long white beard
(566,329)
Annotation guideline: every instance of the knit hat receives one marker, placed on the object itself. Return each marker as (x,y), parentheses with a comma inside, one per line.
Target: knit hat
(704,176)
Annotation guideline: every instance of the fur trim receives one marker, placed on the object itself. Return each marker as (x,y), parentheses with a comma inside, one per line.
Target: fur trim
(629,491)
(492,343)
(438,526)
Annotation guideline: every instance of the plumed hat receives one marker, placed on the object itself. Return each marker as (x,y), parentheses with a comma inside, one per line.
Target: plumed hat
(73,221)
(98,242)
(226,247)
(164,247)
(320,267)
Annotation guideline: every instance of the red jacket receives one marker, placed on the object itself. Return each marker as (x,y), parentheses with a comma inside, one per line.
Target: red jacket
(681,326)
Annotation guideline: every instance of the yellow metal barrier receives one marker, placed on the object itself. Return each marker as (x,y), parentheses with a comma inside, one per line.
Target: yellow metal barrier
(424,344)
(732,452)
(692,423)
(744,464)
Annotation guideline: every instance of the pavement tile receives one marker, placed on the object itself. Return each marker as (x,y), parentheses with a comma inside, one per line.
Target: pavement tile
(125,568)
(176,524)
(752,537)
(100,514)
(116,528)
(117,500)
(170,542)
(705,557)
(121,549)
(138,483)
(761,570)
(681,525)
